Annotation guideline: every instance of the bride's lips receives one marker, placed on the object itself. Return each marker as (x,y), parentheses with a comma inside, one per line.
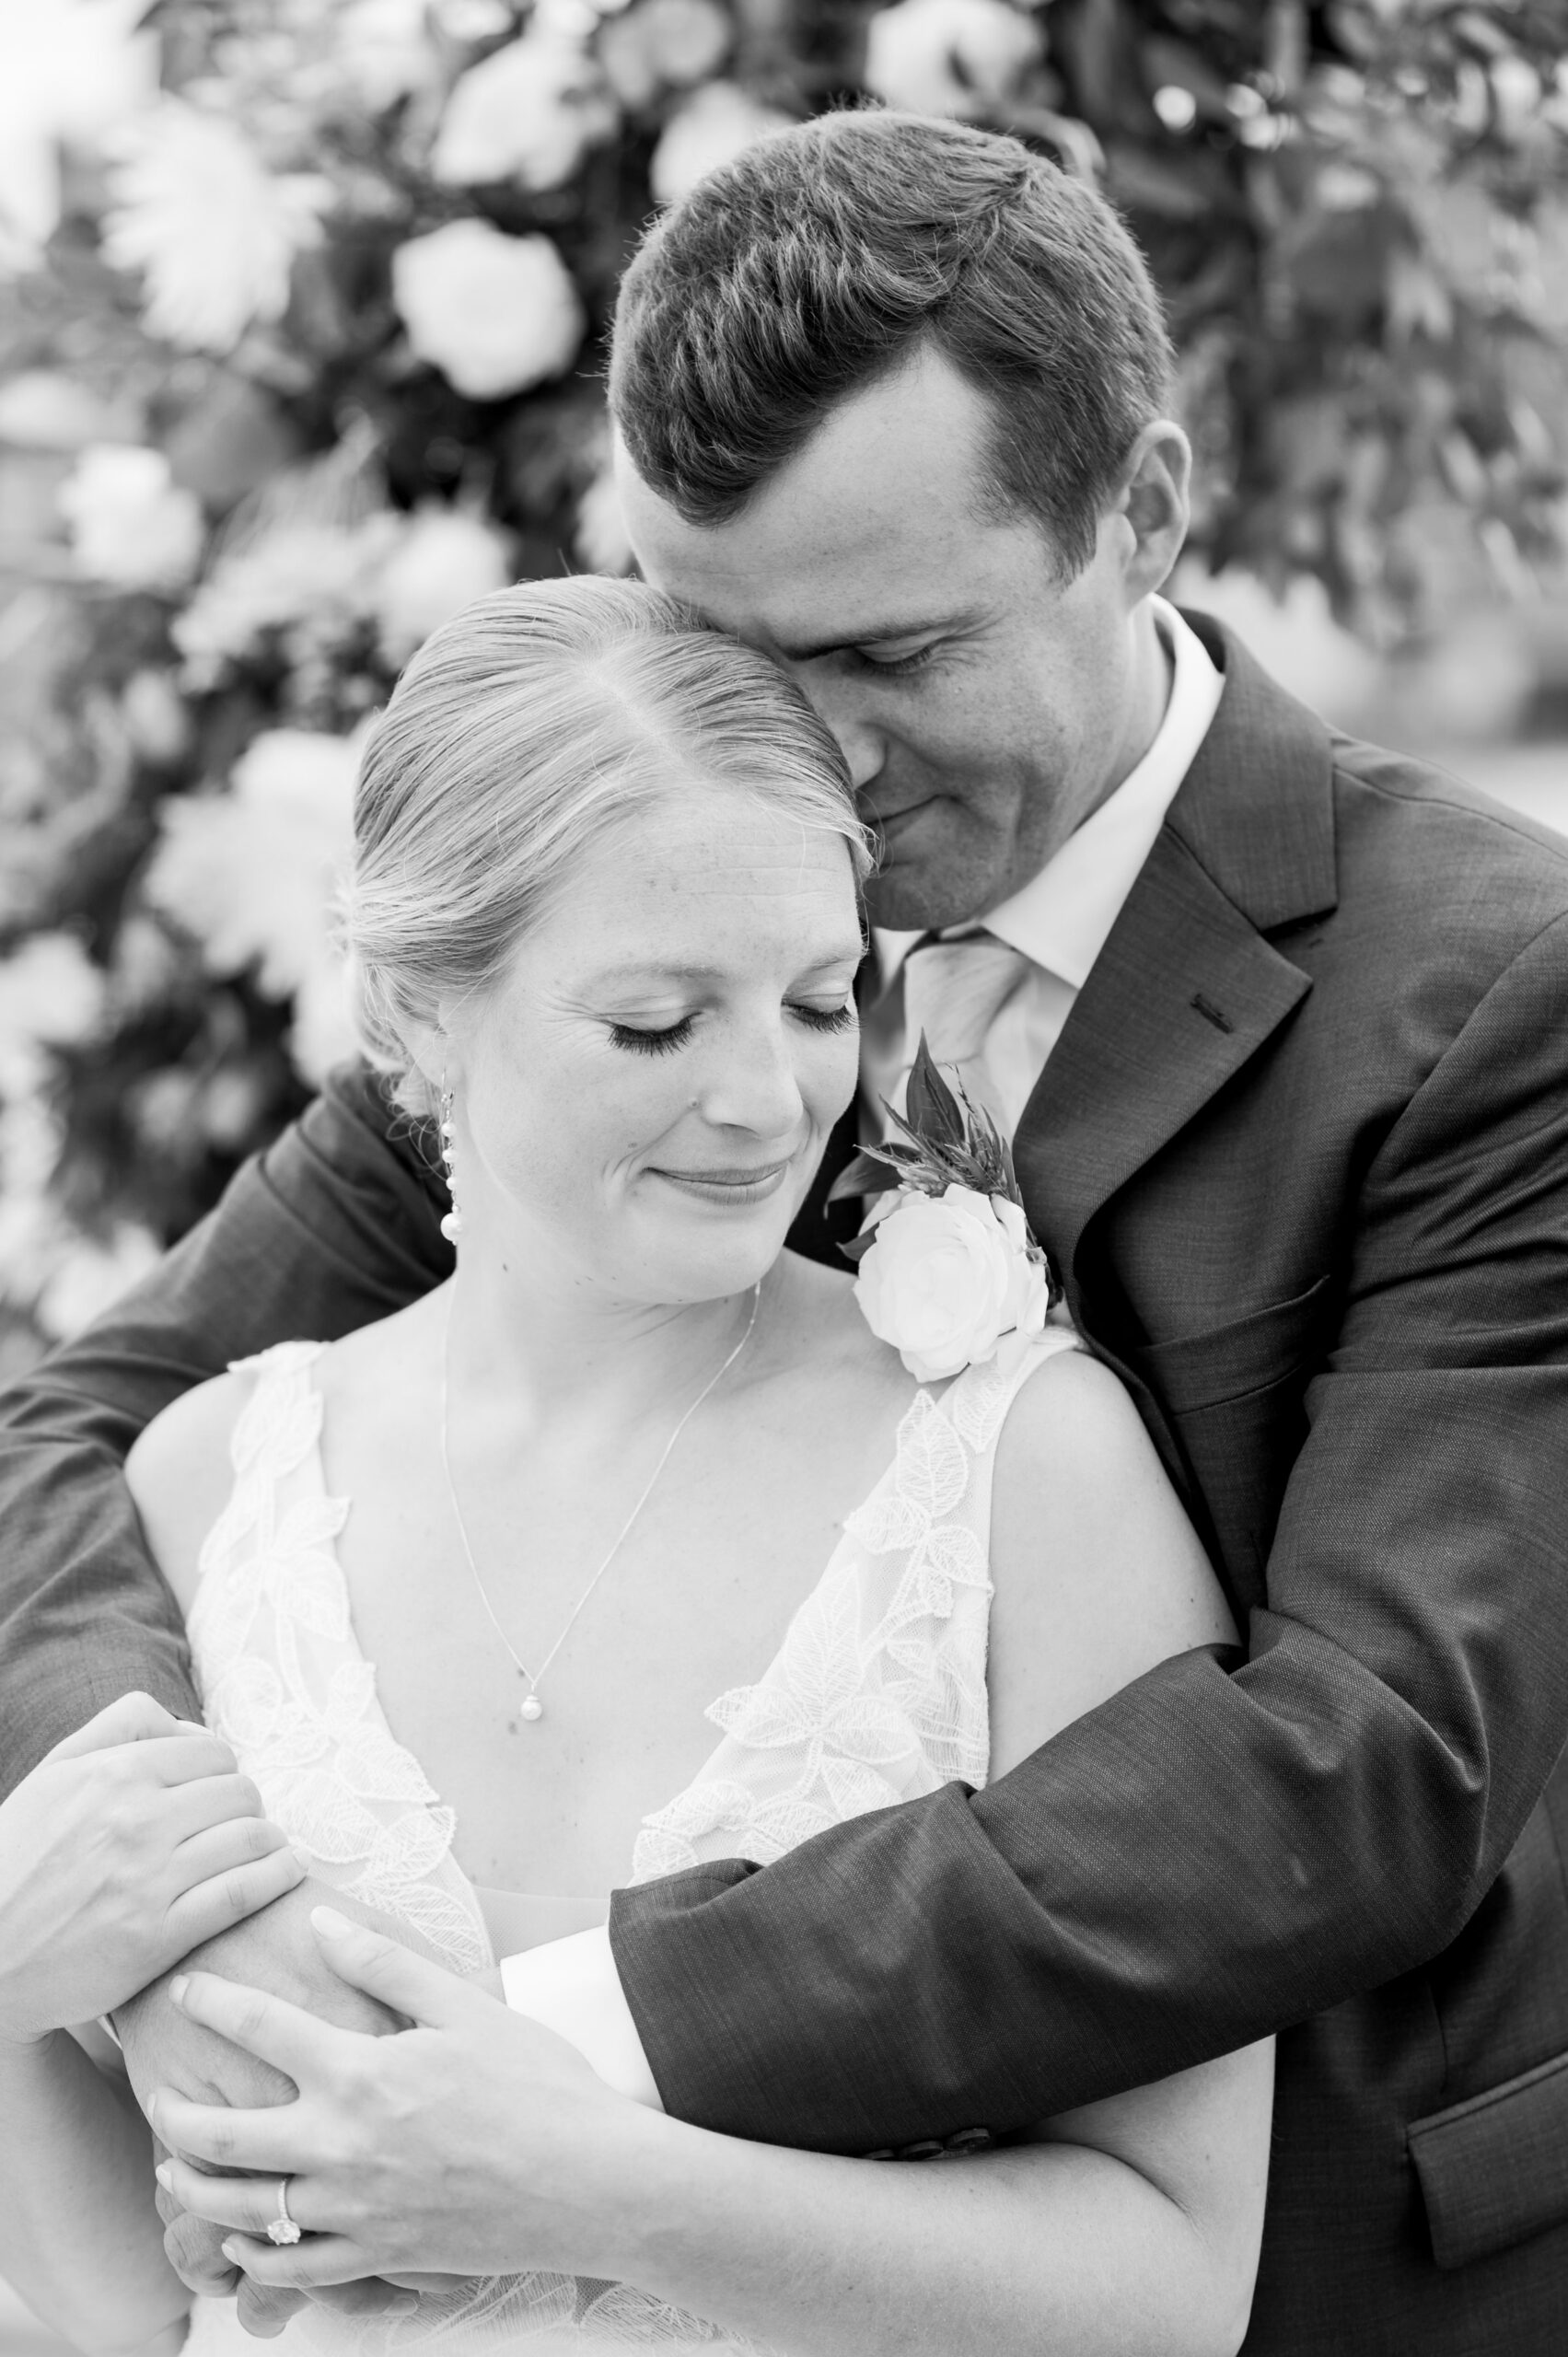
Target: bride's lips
(749,1183)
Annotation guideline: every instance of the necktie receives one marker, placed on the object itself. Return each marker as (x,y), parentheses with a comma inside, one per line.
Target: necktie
(954,992)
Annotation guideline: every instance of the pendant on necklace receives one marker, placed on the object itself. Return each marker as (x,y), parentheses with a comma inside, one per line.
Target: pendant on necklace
(532,1707)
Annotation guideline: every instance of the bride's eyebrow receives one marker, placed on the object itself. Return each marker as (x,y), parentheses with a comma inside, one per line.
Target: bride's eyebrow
(641,971)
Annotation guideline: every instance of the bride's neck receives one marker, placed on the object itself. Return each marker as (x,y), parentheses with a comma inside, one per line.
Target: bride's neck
(548,1349)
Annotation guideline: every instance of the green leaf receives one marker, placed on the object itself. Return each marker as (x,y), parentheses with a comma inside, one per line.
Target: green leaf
(858,1246)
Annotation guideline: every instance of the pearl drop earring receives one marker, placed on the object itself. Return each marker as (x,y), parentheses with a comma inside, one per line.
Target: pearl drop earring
(452,1225)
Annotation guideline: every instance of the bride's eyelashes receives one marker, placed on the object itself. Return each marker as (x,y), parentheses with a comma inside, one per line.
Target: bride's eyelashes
(675,1034)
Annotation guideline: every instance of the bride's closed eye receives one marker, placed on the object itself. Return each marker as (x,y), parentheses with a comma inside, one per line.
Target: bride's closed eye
(675,1034)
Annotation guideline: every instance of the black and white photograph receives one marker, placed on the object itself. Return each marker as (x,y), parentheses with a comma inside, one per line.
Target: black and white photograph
(783,1178)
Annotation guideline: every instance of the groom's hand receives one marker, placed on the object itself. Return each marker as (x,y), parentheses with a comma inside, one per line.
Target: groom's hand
(275,1950)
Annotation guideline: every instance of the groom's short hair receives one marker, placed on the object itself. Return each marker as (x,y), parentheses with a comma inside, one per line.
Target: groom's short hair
(822,257)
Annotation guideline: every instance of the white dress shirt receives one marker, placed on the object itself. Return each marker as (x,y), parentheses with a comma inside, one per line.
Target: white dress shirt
(1061,921)
(1061,918)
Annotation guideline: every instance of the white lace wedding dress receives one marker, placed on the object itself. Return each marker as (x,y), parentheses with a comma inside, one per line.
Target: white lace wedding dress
(875,1695)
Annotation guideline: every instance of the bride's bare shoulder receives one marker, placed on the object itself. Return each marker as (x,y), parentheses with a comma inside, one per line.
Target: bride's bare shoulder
(1098,1573)
(180,1471)
(180,1474)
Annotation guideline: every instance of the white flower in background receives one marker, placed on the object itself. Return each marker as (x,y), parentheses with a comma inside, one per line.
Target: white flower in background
(472,19)
(52,996)
(529,113)
(70,70)
(213,232)
(131,523)
(662,44)
(948,1277)
(600,541)
(156,718)
(316,577)
(445,560)
(494,314)
(952,57)
(716,124)
(252,873)
(41,410)
(383,50)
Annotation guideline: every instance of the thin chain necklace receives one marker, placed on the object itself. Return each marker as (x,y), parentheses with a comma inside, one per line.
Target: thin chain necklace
(532,1708)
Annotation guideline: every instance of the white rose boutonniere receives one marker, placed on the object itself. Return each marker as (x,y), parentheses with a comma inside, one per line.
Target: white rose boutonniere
(949,1274)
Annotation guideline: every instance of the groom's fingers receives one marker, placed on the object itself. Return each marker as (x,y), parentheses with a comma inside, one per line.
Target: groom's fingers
(424,1992)
(299,2267)
(262,2310)
(193,2249)
(371,2297)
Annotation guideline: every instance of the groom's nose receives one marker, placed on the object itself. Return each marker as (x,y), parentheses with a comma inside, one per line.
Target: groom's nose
(860,741)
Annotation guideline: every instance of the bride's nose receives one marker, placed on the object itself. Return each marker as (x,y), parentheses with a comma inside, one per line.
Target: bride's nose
(754,1085)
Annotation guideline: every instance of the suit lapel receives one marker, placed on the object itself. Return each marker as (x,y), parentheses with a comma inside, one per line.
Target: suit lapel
(1186,988)
(1183,992)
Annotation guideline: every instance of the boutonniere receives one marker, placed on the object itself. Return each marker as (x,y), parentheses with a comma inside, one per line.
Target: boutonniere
(949,1272)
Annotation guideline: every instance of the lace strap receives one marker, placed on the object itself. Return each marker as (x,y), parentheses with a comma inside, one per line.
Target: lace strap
(285,1683)
(978,1401)
(274,1432)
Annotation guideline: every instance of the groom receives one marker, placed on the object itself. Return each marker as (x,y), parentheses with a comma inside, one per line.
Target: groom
(1277,1020)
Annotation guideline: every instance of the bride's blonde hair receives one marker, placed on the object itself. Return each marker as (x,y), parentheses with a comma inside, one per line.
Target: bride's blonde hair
(524,730)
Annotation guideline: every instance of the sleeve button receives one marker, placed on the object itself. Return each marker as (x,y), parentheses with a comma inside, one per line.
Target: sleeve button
(968,2139)
(928,2149)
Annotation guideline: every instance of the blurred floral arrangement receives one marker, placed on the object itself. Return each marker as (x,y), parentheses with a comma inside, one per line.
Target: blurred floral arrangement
(301,317)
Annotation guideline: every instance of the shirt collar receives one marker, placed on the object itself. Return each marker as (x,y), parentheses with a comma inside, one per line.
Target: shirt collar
(1062,917)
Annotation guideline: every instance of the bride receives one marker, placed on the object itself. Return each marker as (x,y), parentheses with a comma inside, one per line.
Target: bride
(462,1587)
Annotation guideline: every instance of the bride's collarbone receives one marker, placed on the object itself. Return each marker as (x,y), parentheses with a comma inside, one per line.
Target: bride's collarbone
(695,1599)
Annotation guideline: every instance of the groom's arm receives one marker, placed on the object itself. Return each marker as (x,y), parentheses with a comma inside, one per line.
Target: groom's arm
(1209,1857)
(336,1225)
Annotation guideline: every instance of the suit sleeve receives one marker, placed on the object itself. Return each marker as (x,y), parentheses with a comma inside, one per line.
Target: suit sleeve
(337,1223)
(1227,1846)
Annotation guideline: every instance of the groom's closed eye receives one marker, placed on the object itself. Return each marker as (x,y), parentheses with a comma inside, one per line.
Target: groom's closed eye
(885,663)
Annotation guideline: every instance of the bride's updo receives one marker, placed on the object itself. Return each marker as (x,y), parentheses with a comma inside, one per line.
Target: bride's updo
(522,732)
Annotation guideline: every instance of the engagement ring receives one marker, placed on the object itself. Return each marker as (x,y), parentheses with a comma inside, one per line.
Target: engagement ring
(282,2229)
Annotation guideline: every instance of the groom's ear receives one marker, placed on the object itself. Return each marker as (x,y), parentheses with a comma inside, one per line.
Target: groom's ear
(1154,505)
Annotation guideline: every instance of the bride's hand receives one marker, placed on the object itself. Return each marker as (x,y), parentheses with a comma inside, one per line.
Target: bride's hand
(132,1841)
(472,2143)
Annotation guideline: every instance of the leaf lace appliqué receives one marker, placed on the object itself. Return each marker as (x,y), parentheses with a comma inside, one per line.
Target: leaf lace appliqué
(285,1683)
(877,1693)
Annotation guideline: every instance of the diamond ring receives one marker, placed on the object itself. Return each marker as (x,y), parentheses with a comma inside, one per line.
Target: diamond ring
(282,2229)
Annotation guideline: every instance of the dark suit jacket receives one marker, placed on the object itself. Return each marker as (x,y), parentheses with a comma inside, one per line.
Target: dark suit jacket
(1301,1156)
